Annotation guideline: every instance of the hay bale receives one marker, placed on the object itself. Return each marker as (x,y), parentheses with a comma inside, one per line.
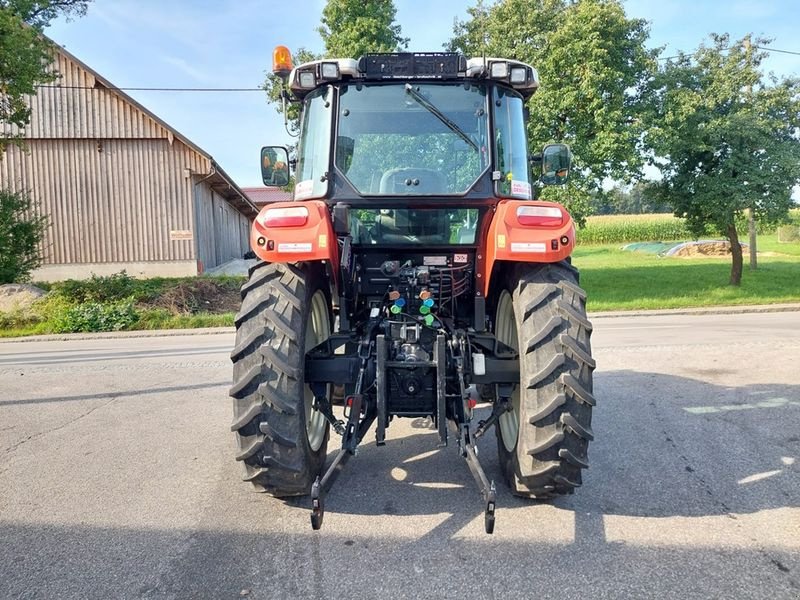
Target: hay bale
(703,249)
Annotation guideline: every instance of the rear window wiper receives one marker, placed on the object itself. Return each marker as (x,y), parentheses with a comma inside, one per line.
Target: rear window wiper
(421,100)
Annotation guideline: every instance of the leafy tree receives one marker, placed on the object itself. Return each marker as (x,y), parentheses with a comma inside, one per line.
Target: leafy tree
(21,230)
(726,139)
(641,198)
(349,29)
(39,13)
(26,56)
(593,67)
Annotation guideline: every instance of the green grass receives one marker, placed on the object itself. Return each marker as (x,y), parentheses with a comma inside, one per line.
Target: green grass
(157,319)
(770,243)
(617,280)
(148,320)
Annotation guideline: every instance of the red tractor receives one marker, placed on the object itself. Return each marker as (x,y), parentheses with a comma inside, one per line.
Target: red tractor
(414,274)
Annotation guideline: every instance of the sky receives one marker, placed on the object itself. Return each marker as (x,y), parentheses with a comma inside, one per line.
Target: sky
(228,44)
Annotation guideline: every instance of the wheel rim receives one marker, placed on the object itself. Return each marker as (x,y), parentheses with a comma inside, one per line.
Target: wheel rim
(506,332)
(318,329)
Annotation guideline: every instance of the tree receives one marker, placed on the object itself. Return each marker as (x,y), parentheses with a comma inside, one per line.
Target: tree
(593,67)
(726,139)
(638,199)
(26,55)
(21,230)
(349,29)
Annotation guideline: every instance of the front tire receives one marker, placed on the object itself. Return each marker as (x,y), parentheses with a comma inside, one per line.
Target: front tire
(542,441)
(281,439)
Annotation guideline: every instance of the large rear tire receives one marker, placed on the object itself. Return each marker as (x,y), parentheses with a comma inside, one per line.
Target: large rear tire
(542,441)
(281,439)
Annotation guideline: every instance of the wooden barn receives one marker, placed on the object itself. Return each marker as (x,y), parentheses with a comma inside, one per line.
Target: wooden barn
(121,188)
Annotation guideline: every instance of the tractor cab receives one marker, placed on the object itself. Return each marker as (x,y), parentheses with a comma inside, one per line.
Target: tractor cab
(433,130)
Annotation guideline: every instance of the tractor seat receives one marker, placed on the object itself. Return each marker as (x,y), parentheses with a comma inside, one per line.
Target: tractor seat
(398,182)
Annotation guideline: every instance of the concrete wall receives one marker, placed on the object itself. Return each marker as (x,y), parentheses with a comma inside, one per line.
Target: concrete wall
(173,268)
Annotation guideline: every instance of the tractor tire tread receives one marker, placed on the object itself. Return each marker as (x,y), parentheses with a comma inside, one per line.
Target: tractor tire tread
(268,391)
(555,396)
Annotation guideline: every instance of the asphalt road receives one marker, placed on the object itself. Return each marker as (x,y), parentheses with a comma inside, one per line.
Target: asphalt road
(117,480)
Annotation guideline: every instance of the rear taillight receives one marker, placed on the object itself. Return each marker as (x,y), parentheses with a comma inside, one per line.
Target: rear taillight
(540,216)
(295,216)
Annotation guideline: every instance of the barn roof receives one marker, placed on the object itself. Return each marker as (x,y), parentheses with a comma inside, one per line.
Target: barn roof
(215,177)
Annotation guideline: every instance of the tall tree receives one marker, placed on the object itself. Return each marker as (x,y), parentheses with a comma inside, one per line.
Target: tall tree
(25,55)
(349,29)
(593,67)
(726,139)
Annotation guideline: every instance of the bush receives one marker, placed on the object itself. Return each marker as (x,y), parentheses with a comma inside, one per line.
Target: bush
(21,231)
(185,294)
(95,316)
(111,288)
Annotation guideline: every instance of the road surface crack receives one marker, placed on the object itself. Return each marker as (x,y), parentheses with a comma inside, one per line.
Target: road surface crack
(36,436)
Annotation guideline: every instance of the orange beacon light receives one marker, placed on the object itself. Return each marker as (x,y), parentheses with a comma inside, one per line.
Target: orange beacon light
(282,61)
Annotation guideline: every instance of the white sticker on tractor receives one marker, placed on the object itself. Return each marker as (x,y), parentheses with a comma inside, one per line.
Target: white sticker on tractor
(528,247)
(434,261)
(521,188)
(460,258)
(294,247)
(303,189)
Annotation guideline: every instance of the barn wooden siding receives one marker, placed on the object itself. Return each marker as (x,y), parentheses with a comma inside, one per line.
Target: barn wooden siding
(108,200)
(116,181)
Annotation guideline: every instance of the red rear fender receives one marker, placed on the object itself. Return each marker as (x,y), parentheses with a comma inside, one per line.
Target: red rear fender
(528,231)
(288,232)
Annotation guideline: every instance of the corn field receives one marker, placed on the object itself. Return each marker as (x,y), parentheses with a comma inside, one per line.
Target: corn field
(614,229)
(620,229)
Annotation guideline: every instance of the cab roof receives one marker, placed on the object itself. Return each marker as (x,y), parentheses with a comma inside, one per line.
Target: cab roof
(414,66)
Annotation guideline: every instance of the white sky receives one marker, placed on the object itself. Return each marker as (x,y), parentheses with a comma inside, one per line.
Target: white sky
(203,43)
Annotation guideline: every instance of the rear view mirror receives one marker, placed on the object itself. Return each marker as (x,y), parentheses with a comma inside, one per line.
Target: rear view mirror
(275,166)
(556,161)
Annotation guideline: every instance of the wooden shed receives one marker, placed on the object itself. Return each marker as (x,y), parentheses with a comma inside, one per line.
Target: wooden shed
(122,189)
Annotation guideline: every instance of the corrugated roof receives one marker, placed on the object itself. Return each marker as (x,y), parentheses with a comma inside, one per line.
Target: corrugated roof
(266,195)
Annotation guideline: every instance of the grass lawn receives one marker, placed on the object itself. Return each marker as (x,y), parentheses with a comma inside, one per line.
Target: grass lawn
(617,280)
